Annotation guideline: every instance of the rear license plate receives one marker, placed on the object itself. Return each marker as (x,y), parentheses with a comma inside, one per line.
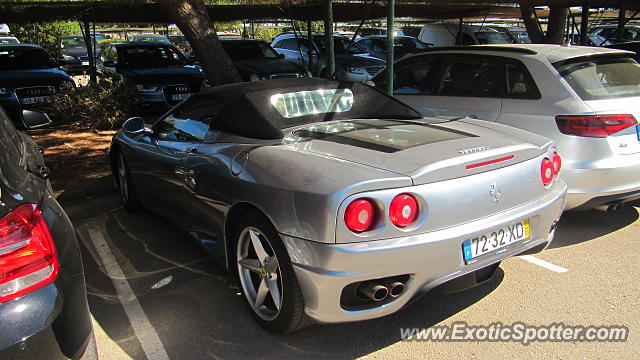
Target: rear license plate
(35,100)
(495,240)
(179,97)
(85,63)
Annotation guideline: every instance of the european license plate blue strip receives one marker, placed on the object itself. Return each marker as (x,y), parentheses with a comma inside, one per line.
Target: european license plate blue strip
(466,249)
(638,131)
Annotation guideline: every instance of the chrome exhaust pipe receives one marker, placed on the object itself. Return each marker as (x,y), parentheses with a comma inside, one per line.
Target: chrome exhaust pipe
(373,291)
(395,288)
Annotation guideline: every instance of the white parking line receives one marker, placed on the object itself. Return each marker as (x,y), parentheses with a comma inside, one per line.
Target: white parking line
(544,264)
(142,328)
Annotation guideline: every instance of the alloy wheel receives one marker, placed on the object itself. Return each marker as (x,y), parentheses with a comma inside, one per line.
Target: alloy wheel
(259,272)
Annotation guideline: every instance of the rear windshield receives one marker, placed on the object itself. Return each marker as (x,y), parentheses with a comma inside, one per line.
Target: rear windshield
(150,56)
(10,149)
(248,50)
(380,135)
(24,58)
(602,78)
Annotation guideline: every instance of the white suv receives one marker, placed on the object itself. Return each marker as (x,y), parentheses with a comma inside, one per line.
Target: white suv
(584,98)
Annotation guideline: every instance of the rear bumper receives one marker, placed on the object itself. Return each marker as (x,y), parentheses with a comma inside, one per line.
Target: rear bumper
(602,182)
(431,259)
(34,327)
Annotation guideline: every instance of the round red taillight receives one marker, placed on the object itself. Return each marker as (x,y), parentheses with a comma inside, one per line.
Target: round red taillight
(403,210)
(546,172)
(359,215)
(557,163)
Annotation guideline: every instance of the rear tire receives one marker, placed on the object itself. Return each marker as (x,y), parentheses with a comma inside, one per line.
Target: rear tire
(128,193)
(266,276)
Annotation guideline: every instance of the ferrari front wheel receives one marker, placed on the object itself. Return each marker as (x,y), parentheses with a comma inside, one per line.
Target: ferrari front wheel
(266,276)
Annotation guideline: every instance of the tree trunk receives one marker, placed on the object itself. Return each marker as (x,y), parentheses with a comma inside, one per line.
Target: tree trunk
(556,26)
(531,23)
(193,20)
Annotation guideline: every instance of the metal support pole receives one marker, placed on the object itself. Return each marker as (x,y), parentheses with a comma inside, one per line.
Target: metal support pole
(36,33)
(328,38)
(94,70)
(621,22)
(584,24)
(310,44)
(459,37)
(391,15)
(88,43)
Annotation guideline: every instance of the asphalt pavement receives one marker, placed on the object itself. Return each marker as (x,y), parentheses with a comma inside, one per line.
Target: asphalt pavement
(154,294)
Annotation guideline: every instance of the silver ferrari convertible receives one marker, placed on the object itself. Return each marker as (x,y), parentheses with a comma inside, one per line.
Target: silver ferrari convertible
(333,202)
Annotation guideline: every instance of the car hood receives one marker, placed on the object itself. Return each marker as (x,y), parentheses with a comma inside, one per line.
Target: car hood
(24,78)
(163,75)
(427,150)
(360,59)
(75,52)
(263,67)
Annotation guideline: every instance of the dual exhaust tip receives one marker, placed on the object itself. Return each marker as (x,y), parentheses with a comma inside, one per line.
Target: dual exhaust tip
(378,291)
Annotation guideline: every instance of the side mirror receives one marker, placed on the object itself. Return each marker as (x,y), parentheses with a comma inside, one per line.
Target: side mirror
(35,119)
(108,63)
(135,126)
(280,56)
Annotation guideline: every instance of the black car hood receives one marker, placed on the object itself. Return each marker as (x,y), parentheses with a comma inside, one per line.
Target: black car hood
(264,67)
(75,52)
(164,75)
(24,78)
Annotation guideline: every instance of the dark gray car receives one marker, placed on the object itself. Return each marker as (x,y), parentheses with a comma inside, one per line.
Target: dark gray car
(43,302)
(353,63)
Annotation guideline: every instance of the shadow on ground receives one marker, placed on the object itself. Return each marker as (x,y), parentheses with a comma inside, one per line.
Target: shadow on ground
(576,227)
(197,313)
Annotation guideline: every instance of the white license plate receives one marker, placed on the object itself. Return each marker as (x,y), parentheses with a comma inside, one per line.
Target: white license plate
(35,100)
(179,97)
(85,63)
(496,239)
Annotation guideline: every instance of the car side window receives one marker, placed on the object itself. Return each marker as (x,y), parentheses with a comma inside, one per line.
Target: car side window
(415,77)
(378,45)
(290,44)
(478,77)
(519,83)
(113,55)
(104,55)
(189,121)
(278,44)
(366,44)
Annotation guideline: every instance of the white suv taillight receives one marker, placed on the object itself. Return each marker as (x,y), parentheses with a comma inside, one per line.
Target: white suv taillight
(596,126)
(28,258)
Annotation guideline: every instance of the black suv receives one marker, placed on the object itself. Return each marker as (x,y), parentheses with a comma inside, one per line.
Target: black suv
(43,300)
(161,74)
(28,76)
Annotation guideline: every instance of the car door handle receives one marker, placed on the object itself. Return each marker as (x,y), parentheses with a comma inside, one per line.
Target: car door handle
(191,150)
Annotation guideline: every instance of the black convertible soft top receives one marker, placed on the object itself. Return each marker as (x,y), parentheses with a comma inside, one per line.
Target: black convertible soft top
(247,108)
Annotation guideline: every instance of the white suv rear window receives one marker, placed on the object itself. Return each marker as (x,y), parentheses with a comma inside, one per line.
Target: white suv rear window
(603,78)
